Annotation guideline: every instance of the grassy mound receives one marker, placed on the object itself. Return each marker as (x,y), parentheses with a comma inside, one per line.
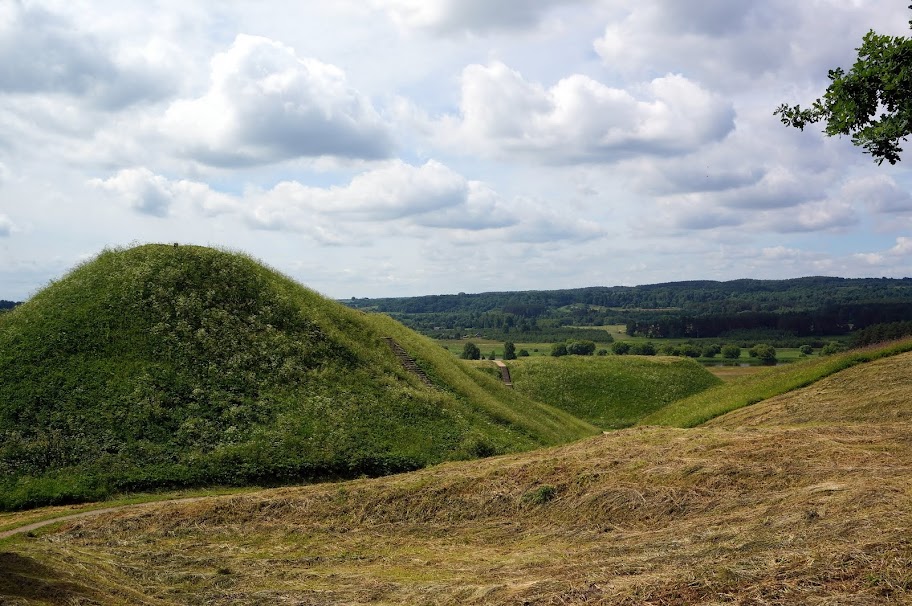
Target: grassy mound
(612,391)
(163,366)
(754,388)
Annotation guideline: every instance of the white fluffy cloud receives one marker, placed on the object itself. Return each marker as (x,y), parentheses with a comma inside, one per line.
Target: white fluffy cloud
(44,52)
(880,193)
(392,192)
(414,201)
(151,194)
(143,190)
(266,104)
(731,44)
(903,246)
(582,120)
(449,16)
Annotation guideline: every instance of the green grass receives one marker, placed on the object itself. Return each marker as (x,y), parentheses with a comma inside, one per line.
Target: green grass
(165,367)
(611,391)
(747,390)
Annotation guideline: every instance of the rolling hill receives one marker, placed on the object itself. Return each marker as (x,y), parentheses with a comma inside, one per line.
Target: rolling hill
(791,510)
(165,366)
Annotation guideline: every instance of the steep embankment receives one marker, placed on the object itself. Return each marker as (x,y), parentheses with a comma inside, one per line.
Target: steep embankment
(612,391)
(171,366)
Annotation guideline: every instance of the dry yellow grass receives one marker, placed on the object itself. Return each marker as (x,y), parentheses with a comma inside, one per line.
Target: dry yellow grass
(808,503)
(876,392)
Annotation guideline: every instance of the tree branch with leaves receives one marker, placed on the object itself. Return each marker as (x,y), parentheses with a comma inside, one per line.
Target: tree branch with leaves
(872,102)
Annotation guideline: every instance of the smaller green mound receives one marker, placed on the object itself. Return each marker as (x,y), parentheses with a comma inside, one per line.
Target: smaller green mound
(745,391)
(610,392)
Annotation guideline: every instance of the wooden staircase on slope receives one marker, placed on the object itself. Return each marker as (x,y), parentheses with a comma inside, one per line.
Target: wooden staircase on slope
(408,362)
(504,373)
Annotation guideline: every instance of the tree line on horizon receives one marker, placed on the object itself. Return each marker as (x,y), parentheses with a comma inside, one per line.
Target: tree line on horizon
(803,307)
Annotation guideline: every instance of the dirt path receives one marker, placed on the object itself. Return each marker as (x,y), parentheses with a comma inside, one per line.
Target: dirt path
(91,513)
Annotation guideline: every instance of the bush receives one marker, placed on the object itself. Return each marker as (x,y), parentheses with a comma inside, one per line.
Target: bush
(471,352)
(581,348)
(833,347)
(643,349)
(806,350)
(763,352)
(602,352)
(711,351)
(690,351)
(620,348)
(559,349)
(731,352)
(523,353)
(509,351)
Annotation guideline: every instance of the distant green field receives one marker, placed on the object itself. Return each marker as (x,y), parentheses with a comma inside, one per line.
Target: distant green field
(610,392)
(756,387)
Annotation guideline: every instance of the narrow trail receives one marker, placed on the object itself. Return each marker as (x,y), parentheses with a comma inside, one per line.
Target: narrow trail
(92,513)
(504,373)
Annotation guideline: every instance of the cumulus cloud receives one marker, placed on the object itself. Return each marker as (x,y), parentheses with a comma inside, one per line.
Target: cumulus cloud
(144,191)
(478,16)
(407,199)
(903,246)
(46,53)
(582,120)
(391,192)
(822,215)
(151,194)
(266,104)
(732,43)
(879,193)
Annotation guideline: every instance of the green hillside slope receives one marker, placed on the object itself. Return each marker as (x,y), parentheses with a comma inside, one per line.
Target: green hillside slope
(171,366)
(612,391)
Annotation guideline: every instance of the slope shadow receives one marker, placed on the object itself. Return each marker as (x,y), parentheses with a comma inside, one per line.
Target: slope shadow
(24,578)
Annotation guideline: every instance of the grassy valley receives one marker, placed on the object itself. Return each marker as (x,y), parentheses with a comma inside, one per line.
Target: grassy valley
(610,392)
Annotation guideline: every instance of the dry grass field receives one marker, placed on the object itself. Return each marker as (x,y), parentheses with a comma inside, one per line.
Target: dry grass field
(802,499)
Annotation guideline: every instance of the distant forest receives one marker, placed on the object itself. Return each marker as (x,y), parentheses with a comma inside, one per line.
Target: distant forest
(801,307)
(4,304)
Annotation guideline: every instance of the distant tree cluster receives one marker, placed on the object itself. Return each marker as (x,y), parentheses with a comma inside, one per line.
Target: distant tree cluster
(880,333)
(573,348)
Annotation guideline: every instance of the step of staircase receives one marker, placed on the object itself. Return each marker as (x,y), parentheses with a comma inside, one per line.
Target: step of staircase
(408,362)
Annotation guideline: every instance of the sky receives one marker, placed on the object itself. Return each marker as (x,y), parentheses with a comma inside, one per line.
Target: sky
(379,148)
